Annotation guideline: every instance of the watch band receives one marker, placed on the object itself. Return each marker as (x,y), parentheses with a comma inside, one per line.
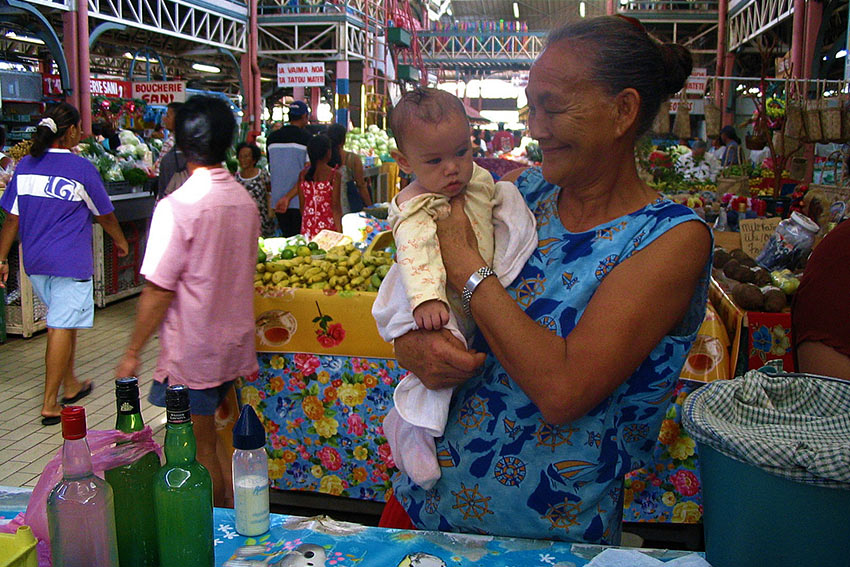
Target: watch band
(471,285)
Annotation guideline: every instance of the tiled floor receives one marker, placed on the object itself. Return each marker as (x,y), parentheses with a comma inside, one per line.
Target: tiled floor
(26,445)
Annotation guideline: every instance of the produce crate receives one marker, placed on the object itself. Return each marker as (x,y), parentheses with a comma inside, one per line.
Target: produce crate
(400,37)
(25,312)
(114,277)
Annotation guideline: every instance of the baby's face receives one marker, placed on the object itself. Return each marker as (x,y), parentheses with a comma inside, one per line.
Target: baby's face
(441,155)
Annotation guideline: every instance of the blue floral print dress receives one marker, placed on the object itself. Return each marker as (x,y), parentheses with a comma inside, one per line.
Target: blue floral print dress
(507,472)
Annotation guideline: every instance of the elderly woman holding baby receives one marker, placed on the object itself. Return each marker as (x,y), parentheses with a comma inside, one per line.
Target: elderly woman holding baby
(567,390)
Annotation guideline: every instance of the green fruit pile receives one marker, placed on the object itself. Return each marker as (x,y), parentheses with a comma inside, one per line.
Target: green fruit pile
(342,268)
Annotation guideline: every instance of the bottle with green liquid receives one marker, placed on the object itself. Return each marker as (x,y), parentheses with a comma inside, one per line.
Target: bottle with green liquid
(183,496)
(132,486)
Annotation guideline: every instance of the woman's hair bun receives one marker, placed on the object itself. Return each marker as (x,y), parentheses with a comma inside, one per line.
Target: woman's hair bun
(678,64)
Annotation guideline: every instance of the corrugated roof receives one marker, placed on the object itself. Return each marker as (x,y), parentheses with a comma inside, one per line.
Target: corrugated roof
(538,14)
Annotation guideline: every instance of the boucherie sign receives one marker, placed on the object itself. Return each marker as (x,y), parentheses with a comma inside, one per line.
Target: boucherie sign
(160,92)
(301,74)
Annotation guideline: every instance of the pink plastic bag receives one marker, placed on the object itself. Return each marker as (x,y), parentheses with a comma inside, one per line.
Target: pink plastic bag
(106,454)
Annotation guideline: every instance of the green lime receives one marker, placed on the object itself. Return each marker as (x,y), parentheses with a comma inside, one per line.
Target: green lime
(303,251)
(287,254)
(312,246)
(319,251)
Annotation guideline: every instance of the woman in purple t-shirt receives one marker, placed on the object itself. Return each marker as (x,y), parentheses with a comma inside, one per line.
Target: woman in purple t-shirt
(50,202)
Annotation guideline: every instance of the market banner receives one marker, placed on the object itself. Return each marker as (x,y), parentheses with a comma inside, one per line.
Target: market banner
(160,92)
(318,322)
(111,88)
(301,74)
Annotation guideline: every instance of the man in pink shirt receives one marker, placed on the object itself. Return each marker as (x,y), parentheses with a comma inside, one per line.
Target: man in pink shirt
(199,264)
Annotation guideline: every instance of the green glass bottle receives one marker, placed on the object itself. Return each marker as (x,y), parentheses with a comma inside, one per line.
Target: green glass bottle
(183,496)
(132,486)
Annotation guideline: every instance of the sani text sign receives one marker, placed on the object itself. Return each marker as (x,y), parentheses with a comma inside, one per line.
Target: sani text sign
(160,92)
(301,74)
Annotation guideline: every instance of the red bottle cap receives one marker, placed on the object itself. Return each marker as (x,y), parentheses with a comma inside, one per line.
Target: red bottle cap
(73,422)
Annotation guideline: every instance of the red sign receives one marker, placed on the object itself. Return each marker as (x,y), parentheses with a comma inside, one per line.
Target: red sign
(111,88)
(51,85)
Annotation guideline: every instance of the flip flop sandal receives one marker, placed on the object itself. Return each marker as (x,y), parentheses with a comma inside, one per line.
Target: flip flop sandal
(80,395)
(50,420)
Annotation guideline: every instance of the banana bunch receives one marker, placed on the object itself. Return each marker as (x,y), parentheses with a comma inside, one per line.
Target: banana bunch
(342,268)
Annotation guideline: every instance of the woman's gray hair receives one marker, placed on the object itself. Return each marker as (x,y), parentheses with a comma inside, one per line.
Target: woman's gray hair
(622,56)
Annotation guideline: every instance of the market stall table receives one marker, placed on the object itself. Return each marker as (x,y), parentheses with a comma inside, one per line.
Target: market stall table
(342,544)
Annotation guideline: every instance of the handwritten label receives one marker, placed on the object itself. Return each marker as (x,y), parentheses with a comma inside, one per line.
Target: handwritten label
(301,74)
(755,233)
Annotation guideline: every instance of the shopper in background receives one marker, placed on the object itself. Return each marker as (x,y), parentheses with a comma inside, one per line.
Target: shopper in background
(106,134)
(5,161)
(171,159)
(819,313)
(199,266)
(503,140)
(717,149)
(287,150)
(354,193)
(258,183)
(697,164)
(319,186)
(590,339)
(732,145)
(50,202)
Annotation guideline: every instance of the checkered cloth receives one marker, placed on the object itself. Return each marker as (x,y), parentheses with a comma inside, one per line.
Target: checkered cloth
(792,425)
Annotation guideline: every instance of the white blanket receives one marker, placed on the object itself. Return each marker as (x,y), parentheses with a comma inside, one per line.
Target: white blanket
(426,411)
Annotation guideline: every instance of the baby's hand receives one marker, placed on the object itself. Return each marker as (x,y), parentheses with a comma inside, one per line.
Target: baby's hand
(431,315)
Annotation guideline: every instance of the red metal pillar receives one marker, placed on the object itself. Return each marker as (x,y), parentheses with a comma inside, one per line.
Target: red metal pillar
(610,9)
(255,90)
(797,33)
(315,98)
(69,44)
(719,69)
(814,17)
(84,64)
(728,64)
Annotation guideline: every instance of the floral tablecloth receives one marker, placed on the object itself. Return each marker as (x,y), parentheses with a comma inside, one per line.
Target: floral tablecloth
(323,417)
(670,489)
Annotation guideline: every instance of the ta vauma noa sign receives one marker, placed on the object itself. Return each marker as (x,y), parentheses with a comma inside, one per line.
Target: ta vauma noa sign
(301,74)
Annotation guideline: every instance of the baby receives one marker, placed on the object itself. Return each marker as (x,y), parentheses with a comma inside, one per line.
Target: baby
(432,132)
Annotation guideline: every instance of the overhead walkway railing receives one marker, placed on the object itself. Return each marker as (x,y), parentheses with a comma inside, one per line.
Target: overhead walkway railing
(750,18)
(504,50)
(668,6)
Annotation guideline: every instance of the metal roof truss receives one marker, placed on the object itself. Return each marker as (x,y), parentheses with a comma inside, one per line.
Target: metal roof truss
(226,28)
(471,50)
(332,40)
(756,17)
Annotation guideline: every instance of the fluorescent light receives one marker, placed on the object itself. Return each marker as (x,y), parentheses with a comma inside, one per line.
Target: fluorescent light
(516,11)
(26,38)
(205,68)
(841,53)
(582,9)
(128,55)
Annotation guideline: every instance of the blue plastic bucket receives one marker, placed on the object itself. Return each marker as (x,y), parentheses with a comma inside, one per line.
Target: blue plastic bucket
(753,518)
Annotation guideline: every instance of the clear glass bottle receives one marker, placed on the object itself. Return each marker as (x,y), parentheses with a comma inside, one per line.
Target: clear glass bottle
(793,240)
(183,497)
(132,485)
(80,509)
(250,474)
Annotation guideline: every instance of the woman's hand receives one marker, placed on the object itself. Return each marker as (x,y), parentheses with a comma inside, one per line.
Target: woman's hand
(437,358)
(458,245)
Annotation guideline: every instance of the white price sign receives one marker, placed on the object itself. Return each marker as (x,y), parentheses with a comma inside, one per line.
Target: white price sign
(301,74)
(696,82)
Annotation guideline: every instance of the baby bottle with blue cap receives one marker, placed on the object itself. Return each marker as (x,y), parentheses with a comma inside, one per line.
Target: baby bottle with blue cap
(250,474)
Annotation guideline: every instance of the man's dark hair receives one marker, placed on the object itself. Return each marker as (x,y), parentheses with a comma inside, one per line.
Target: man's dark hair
(204,129)
(426,105)
(174,106)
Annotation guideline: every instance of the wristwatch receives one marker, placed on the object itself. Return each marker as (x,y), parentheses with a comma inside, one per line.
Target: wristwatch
(471,284)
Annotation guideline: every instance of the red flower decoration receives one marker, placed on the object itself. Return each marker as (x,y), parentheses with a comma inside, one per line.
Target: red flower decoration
(331,337)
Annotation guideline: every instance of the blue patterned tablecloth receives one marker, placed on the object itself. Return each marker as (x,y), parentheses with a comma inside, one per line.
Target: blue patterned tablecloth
(347,545)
